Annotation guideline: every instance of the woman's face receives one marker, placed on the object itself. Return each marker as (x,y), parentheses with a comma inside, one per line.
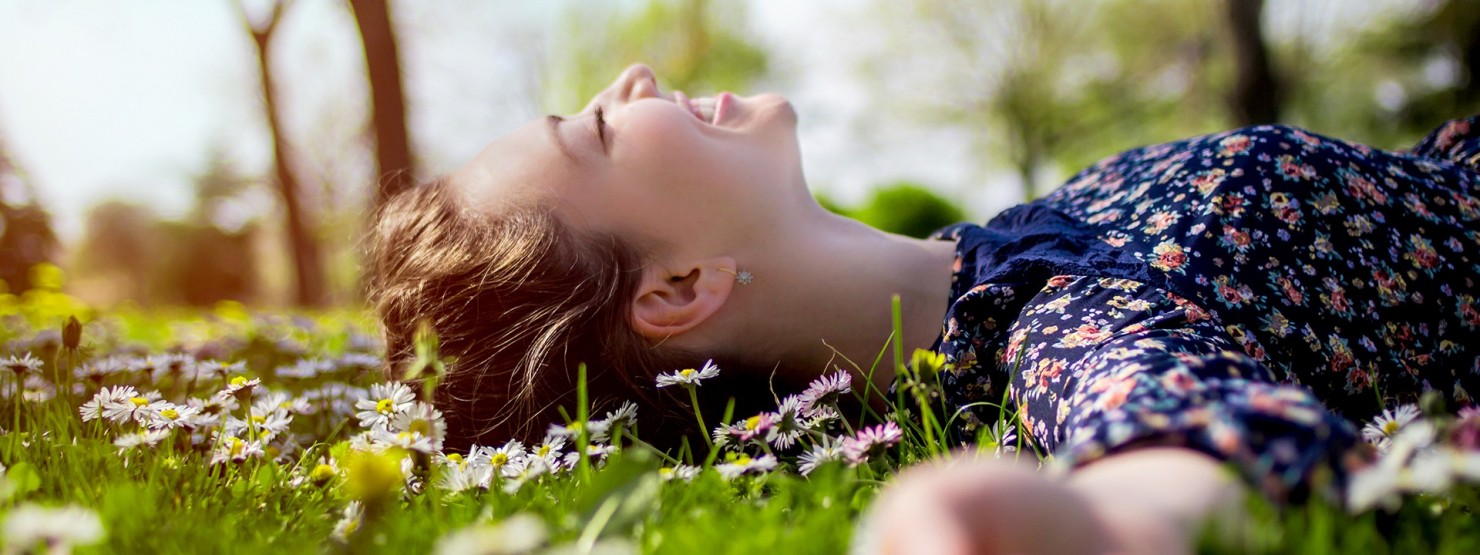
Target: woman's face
(694,174)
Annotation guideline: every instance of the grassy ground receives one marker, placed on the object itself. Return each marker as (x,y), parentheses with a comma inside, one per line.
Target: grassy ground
(322,481)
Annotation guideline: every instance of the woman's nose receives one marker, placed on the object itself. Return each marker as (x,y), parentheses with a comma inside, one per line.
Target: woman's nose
(639,82)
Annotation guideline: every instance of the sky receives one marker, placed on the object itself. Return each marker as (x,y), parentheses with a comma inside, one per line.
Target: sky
(128,100)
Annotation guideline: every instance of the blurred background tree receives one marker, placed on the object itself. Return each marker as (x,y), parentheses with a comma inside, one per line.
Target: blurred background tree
(906,208)
(692,45)
(26,237)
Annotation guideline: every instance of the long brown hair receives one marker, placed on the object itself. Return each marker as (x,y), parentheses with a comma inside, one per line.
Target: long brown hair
(518,299)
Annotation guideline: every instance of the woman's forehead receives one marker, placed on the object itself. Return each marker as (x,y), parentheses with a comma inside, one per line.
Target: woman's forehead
(521,166)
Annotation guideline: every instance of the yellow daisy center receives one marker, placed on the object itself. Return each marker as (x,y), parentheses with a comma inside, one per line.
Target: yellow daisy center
(743,459)
(687,372)
(544,450)
(170,413)
(138,401)
(420,426)
(236,446)
(239,381)
(752,423)
(454,457)
(1390,427)
(498,459)
(385,406)
(258,419)
(321,473)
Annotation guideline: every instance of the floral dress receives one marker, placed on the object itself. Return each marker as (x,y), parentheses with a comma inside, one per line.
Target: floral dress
(1246,294)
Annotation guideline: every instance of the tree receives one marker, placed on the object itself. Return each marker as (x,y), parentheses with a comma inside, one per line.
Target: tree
(302,239)
(1255,97)
(394,167)
(685,42)
(26,237)
(908,209)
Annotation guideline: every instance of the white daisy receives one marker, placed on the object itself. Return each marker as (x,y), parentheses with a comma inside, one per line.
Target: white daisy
(235,449)
(423,419)
(824,392)
(385,401)
(175,416)
(239,388)
(22,365)
(147,438)
(349,521)
(871,441)
(820,453)
(497,458)
(521,533)
(680,472)
(745,464)
(688,376)
(788,423)
(106,398)
(1386,425)
(52,530)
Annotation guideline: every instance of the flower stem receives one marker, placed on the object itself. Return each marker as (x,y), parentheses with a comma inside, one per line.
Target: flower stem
(703,430)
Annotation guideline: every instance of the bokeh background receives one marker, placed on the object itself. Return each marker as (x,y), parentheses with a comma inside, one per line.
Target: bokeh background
(158,152)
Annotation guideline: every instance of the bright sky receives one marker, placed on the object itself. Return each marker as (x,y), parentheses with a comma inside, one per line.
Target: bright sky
(102,99)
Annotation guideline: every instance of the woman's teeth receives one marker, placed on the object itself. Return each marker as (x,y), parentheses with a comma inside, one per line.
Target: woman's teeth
(705,108)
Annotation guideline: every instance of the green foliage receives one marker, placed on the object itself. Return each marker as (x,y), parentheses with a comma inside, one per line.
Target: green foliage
(688,44)
(908,209)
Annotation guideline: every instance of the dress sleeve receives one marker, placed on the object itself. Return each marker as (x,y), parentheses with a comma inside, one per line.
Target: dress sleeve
(1107,365)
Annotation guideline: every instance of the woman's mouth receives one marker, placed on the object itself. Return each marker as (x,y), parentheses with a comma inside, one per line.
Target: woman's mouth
(710,110)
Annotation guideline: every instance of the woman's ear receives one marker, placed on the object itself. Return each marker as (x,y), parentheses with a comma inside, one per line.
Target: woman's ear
(674,299)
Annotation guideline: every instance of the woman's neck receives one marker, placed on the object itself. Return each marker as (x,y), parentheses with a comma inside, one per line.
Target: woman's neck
(823,294)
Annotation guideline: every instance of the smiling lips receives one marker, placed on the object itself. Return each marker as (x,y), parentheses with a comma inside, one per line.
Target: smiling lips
(709,110)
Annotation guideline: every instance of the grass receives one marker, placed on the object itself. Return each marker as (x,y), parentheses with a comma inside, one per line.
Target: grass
(169,498)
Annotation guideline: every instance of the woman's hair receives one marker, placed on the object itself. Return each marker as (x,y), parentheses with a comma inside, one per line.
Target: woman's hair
(518,299)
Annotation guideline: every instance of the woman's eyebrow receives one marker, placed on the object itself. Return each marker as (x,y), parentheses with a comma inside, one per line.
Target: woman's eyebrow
(553,126)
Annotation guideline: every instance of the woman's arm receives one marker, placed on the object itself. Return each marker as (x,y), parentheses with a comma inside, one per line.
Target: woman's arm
(1152,500)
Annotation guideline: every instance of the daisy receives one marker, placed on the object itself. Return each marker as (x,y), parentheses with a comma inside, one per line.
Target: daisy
(235,449)
(140,408)
(497,458)
(745,464)
(30,526)
(458,475)
(423,419)
(1386,426)
(821,452)
(275,401)
(97,407)
(681,472)
(98,370)
(385,401)
(548,452)
(305,368)
(689,377)
(147,438)
(410,441)
(240,388)
(826,391)
(625,417)
(349,521)
(789,426)
(521,533)
(597,430)
(174,416)
(871,441)
(25,364)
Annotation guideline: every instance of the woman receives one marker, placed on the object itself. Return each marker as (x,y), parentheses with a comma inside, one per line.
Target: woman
(1170,309)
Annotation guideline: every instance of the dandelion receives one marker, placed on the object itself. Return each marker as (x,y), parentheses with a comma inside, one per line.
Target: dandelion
(743,464)
(820,453)
(680,472)
(146,438)
(689,376)
(1387,425)
(385,401)
(825,392)
(870,442)
(25,364)
(46,530)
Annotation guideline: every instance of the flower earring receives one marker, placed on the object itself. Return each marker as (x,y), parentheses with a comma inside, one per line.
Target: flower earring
(741,276)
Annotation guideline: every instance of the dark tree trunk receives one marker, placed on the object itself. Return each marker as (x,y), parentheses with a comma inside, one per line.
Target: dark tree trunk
(394,168)
(308,265)
(1256,90)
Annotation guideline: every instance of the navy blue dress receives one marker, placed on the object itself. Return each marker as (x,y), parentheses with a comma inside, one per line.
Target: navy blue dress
(1247,294)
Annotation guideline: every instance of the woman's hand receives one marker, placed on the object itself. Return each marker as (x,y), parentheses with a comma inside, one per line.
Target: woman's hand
(965,505)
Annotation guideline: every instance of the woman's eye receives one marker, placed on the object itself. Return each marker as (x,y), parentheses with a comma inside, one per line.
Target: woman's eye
(601,126)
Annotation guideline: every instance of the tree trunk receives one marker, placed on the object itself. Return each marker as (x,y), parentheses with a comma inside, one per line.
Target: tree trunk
(1256,90)
(394,168)
(302,240)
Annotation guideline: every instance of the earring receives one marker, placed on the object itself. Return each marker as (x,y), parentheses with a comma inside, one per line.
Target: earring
(742,276)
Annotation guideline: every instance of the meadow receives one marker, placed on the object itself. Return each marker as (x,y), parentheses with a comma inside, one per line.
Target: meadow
(229,430)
